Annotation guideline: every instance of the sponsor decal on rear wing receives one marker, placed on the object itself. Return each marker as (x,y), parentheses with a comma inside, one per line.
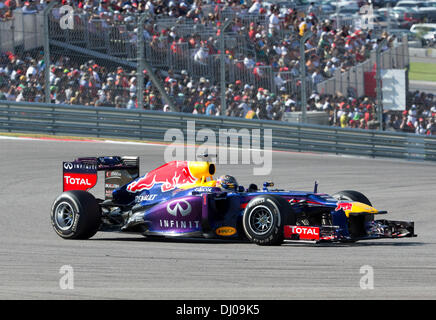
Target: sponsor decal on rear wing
(81,174)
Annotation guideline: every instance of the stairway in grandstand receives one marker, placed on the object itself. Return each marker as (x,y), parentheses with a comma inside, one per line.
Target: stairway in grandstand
(96,37)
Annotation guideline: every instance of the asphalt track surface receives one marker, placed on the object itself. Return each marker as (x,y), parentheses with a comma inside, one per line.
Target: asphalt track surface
(114,265)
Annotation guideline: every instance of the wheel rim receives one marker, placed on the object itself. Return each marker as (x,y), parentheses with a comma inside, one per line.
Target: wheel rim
(261,220)
(64,216)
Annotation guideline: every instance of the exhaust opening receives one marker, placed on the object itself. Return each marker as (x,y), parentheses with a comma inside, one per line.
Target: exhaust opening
(211,169)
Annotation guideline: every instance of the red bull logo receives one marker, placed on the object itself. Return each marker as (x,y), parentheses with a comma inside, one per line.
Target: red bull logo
(346,206)
(169,176)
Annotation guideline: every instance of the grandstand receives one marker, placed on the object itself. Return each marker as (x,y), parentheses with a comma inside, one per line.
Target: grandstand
(98,61)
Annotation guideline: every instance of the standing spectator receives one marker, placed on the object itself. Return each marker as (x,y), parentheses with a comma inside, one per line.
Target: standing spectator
(201,55)
(274,22)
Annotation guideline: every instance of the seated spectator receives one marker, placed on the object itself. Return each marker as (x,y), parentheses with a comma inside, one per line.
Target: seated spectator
(29,8)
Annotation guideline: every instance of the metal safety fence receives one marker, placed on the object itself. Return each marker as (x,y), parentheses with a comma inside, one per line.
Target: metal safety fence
(94,41)
(352,81)
(152,125)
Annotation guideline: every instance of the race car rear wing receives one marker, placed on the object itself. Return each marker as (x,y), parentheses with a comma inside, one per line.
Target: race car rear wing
(82,173)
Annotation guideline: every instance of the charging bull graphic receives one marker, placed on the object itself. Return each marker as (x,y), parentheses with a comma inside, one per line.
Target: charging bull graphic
(169,176)
(346,206)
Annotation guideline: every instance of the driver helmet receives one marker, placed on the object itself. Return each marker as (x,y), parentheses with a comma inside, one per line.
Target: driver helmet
(227,182)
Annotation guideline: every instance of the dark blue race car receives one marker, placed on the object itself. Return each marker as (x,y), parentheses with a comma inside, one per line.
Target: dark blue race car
(182,199)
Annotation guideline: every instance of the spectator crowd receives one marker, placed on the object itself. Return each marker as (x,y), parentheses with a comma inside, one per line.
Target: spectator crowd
(271,36)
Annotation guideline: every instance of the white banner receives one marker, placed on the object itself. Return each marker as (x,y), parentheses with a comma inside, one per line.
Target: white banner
(394,89)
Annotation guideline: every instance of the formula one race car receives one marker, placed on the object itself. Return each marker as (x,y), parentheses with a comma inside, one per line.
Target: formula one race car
(181,199)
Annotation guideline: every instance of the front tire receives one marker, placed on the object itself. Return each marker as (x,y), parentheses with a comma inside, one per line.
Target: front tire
(76,215)
(357,224)
(265,217)
(351,195)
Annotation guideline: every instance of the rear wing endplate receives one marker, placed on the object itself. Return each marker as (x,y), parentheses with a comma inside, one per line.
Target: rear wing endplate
(82,173)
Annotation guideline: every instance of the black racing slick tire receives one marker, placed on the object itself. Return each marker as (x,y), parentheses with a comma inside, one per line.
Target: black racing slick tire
(352,195)
(265,217)
(356,224)
(76,215)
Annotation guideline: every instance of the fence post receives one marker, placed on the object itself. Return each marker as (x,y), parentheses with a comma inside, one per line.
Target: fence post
(223,67)
(338,23)
(1,32)
(9,118)
(46,37)
(303,40)
(405,56)
(379,84)
(13,35)
(140,61)
(151,74)
(53,120)
(97,123)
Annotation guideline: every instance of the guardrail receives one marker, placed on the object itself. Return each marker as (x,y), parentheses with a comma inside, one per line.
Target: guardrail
(151,125)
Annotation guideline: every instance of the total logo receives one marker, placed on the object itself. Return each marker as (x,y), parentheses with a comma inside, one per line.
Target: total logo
(305,230)
(302,232)
(181,207)
(77,181)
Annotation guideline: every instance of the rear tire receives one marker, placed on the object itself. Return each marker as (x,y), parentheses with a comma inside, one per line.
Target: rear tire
(265,217)
(76,215)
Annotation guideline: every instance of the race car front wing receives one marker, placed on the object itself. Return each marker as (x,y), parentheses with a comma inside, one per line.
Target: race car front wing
(376,229)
